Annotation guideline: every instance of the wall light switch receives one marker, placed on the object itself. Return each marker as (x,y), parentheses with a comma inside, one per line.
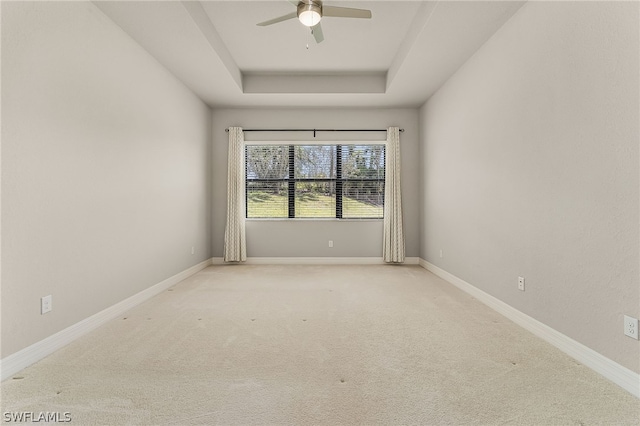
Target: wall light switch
(330,243)
(521,283)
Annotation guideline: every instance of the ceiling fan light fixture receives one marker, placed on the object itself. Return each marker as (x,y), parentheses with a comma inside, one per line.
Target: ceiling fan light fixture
(309,14)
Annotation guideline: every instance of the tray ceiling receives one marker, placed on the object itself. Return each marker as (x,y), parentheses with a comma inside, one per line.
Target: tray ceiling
(399,57)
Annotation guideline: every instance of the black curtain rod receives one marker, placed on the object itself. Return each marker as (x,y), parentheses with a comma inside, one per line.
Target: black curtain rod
(313,130)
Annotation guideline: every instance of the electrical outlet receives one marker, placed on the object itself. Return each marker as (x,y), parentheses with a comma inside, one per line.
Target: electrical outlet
(330,243)
(440,253)
(193,250)
(521,283)
(631,327)
(46,304)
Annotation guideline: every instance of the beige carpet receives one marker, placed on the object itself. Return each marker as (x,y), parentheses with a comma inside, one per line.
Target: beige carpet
(316,345)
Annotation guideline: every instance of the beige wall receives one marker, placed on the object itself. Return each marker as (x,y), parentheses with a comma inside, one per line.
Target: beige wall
(309,238)
(530,168)
(105,169)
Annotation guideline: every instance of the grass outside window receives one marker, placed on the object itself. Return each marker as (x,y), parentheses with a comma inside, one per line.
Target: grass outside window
(265,205)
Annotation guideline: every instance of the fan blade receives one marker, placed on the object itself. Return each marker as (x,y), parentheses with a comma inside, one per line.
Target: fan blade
(345,12)
(279,19)
(294,2)
(317,33)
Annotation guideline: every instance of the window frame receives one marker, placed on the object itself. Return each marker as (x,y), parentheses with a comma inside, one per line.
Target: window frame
(291,179)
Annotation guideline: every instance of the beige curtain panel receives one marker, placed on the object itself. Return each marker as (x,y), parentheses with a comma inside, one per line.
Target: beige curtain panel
(393,241)
(235,242)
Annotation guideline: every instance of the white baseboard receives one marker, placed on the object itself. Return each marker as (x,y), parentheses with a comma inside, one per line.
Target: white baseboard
(618,374)
(31,354)
(316,261)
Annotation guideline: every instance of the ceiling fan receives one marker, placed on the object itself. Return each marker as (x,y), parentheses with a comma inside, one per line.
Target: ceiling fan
(310,12)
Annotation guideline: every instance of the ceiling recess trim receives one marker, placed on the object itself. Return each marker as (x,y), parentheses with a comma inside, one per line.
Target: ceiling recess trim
(420,21)
(363,82)
(201,19)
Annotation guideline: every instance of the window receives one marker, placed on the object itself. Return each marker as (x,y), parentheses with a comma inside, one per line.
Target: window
(315,181)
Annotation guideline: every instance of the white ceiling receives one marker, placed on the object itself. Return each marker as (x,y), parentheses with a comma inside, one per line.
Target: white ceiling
(399,57)
(349,45)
